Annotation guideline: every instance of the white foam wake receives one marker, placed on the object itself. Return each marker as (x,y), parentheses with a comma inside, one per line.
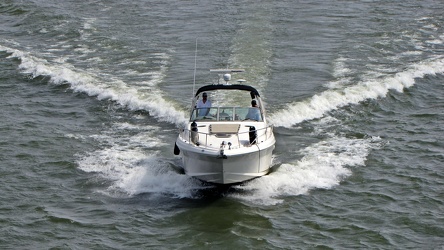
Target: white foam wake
(94,85)
(133,172)
(133,164)
(324,165)
(332,99)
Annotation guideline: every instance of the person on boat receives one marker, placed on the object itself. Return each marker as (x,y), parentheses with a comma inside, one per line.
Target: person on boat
(254,113)
(203,105)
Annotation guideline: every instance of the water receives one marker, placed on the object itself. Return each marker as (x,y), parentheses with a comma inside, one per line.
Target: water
(93,93)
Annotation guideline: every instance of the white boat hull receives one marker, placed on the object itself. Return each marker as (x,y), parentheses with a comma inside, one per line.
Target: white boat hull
(237,166)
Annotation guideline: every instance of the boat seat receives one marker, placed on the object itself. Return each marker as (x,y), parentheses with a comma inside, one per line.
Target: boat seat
(224,128)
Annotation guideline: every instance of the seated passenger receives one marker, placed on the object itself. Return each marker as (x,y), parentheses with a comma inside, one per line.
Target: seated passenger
(254,112)
(203,105)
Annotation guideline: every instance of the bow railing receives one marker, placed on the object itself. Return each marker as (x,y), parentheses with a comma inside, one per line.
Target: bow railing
(241,139)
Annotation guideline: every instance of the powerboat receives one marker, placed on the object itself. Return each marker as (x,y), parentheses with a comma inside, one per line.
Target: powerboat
(225,143)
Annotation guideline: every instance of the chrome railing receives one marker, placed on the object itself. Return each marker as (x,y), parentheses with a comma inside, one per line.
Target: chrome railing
(260,134)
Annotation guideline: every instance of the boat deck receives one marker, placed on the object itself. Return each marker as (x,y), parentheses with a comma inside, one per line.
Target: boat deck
(238,134)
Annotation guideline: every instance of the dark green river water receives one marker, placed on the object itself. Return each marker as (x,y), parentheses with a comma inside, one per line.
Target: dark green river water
(93,93)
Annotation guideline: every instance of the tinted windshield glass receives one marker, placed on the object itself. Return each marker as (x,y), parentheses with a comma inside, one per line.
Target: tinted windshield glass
(226,114)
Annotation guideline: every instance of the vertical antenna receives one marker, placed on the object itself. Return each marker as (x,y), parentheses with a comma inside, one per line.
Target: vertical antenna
(195,63)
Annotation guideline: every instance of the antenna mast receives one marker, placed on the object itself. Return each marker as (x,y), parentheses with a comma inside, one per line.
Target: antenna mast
(195,63)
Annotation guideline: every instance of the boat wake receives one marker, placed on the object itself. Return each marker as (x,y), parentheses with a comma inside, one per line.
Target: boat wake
(133,170)
(144,96)
(133,163)
(323,166)
(333,99)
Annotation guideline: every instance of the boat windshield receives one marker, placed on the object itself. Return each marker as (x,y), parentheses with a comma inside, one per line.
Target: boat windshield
(226,114)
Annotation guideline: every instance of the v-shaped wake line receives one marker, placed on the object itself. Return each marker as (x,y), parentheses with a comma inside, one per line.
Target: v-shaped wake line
(323,166)
(94,85)
(320,104)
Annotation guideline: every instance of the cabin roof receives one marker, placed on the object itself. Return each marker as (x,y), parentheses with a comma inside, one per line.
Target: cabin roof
(229,87)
